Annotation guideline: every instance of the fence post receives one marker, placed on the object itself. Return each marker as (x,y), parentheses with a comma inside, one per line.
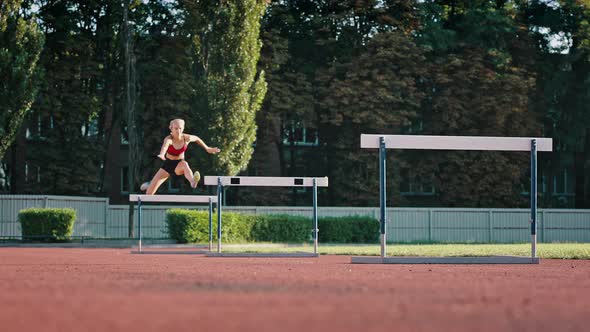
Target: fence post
(106,216)
(490,228)
(429,225)
(543,226)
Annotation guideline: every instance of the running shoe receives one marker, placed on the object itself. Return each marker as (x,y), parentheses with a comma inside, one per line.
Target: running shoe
(197,177)
(144,186)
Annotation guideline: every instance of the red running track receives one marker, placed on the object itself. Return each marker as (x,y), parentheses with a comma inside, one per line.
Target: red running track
(57,289)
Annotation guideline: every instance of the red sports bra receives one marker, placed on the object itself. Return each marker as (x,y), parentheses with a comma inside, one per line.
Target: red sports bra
(176,152)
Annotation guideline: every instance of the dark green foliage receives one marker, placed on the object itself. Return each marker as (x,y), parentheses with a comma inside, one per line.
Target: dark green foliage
(478,84)
(378,92)
(471,96)
(282,228)
(236,227)
(186,226)
(352,229)
(189,226)
(50,225)
(166,91)
(21,42)
(563,90)
(75,96)
(337,68)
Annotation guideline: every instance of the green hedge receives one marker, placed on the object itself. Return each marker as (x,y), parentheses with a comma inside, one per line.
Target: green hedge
(189,226)
(351,229)
(52,225)
(282,228)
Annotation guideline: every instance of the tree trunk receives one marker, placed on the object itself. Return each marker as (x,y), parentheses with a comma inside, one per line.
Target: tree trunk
(267,161)
(129,110)
(581,169)
(269,145)
(19,160)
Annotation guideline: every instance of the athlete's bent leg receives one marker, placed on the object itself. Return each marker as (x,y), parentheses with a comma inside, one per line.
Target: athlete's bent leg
(184,168)
(157,181)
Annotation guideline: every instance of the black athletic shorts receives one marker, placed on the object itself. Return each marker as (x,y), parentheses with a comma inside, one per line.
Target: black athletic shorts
(170,165)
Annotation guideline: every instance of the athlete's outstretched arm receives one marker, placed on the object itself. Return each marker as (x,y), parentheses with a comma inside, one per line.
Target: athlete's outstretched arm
(165,145)
(199,141)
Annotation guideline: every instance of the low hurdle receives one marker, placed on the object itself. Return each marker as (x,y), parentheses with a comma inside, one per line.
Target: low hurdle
(172,199)
(479,143)
(266,181)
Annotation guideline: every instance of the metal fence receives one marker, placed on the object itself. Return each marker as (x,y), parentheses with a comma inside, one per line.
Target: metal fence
(97,219)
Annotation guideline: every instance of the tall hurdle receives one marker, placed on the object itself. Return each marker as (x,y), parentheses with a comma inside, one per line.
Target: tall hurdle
(478,143)
(172,199)
(266,181)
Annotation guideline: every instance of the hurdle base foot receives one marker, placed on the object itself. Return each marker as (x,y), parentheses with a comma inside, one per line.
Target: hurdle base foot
(446,260)
(169,252)
(263,255)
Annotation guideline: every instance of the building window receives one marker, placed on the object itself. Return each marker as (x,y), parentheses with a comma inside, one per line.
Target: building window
(563,183)
(32,173)
(39,124)
(415,185)
(90,128)
(296,133)
(413,128)
(174,184)
(40,128)
(4,180)
(526,184)
(124,136)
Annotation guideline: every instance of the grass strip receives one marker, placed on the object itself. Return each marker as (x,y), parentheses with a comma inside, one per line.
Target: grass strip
(544,250)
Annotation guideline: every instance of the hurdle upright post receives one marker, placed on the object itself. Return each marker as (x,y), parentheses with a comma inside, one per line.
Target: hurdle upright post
(382,194)
(139,222)
(210,223)
(219,207)
(315,216)
(533,198)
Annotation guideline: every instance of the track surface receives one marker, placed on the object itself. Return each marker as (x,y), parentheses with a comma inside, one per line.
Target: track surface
(56,289)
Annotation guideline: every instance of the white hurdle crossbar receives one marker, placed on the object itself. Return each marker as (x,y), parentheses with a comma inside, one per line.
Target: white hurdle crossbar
(480,143)
(267,181)
(173,199)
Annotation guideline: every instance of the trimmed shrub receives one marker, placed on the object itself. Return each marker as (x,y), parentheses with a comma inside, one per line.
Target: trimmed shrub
(190,226)
(186,226)
(351,229)
(236,227)
(282,228)
(53,225)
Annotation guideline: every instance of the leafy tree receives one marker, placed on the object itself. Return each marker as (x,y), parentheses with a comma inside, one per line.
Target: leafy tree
(471,98)
(478,85)
(562,29)
(303,41)
(378,92)
(230,88)
(65,143)
(21,42)
(165,81)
